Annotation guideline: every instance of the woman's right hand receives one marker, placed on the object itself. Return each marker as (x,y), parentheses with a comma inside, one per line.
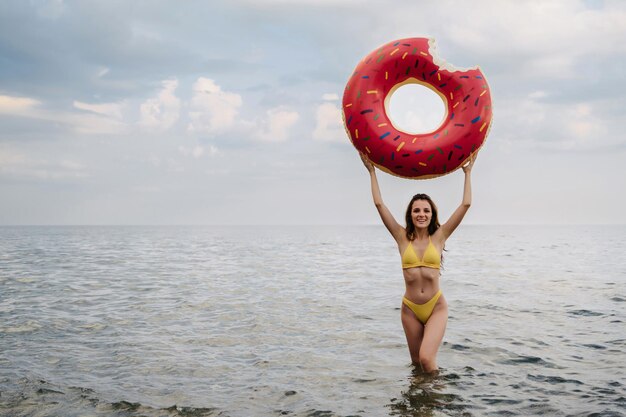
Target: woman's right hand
(368,165)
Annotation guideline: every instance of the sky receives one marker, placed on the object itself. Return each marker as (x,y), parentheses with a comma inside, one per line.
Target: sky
(153,112)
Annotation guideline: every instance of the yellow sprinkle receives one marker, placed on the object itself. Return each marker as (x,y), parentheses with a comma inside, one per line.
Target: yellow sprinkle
(482,127)
(372,92)
(405,54)
(423,164)
(368,150)
(423,53)
(400,147)
(483,93)
(394,51)
(386,75)
(439,76)
(414,139)
(349,105)
(457,103)
(382,124)
(356,133)
(451,95)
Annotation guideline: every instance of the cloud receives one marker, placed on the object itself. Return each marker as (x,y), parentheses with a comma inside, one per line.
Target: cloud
(113,110)
(277,125)
(212,110)
(329,124)
(161,112)
(15,164)
(17,105)
(199,151)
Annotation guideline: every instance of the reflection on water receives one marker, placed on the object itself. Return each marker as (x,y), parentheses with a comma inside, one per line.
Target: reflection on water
(428,395)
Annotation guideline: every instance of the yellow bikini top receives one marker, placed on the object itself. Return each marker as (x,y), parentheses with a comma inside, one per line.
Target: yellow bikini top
(430,259)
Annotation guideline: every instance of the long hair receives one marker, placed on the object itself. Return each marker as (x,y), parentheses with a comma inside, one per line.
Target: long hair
(434,220)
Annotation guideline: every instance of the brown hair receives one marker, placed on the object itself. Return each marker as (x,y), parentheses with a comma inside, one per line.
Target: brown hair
(434,220)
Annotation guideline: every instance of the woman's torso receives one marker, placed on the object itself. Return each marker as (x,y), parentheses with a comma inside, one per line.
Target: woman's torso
(422,282)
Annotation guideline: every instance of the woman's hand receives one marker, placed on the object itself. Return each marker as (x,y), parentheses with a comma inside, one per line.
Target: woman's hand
(367,163)
(467,168)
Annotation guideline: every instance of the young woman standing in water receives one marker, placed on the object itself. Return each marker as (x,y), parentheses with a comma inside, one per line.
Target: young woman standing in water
(424,309)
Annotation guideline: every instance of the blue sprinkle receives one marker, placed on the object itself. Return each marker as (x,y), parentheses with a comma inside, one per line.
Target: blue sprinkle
(418,151)
(436,136)
(479,77)
(349,120)
(476,119)
(458,146)
(385,135)
(365,76)
(452,116)
(367,111)
(432,72)
(396,44)
(464,76)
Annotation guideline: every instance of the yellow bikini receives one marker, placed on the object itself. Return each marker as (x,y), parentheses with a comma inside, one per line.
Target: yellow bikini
(430,259)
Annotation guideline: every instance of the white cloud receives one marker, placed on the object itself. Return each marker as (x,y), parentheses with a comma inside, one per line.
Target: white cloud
(212,110)
(330,97)
(277,125)
(16,164)
(199,151)
(114,110)
(329,124)
(162,111)
(17,105)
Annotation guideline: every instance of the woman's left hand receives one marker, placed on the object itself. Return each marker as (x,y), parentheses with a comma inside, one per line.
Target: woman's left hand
(467,168)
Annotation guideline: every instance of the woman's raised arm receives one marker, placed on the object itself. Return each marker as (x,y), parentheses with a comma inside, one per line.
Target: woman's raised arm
(453,222)
(389,221)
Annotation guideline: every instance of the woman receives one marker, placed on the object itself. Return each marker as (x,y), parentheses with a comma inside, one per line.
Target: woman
(424,309)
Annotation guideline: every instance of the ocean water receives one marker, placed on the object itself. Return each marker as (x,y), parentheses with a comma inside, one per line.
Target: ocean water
(305,321)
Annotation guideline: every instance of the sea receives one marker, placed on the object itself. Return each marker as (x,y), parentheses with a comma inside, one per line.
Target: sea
(305,321)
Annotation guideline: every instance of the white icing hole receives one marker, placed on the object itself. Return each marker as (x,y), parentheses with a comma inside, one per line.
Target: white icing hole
(415,109)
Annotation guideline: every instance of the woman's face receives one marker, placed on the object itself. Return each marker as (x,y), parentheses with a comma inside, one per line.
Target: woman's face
(421,213)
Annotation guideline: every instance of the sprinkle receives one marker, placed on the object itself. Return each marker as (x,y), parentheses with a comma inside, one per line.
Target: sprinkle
(476,102)
(405,54)
(459,124)
(432,73)
(367,111)
(413,141)
(445,132)
(414,51)
(349,105)
(386,75)
(483,93)
(423,164)
(479,77)
(396,44)
(376,117)
(436,136)
(418,151)
(423,53)
(450,155)
(408,69)
(356,133)
(431,156)
(475,120)
(457,103)
(439,149)
(382,124)
(399,147)
(368,150)
(464,76)
(396,138)
(458,87)
(451,95)
(461,157)
(392,155)
(380,58)
(349,119)
(465,98)
(385,135)
(443,85)
(482,127)
(417,61)
(458,146)
(452,115)
(394,51)
(439,76)
(365,76)
(372,91)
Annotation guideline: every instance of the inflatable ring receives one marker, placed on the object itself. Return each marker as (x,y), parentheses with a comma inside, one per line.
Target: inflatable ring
(463,131)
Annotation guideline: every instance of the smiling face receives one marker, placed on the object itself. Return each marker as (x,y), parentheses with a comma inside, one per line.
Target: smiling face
(421,213)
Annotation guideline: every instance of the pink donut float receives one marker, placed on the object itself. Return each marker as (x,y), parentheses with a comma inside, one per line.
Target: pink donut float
(465,94)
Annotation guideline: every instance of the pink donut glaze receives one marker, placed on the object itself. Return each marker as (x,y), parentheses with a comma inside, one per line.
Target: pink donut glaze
(463,131)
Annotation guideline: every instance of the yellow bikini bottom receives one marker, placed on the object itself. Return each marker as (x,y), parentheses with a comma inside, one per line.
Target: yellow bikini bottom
(422,311)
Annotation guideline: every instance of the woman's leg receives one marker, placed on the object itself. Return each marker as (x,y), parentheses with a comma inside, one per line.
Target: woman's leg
(433,335)
(414,331)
